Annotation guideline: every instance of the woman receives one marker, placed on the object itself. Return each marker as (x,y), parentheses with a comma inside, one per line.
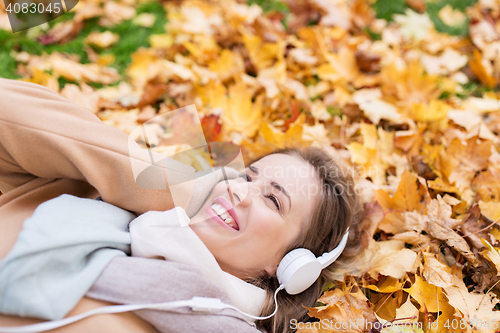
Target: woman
(50,146)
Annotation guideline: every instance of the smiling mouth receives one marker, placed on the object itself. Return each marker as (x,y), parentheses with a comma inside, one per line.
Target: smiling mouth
(222,213)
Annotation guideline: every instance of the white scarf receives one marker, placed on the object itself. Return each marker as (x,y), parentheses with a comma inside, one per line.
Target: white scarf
(167,235)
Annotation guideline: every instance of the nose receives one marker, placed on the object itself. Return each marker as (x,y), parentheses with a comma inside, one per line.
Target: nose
(239,193)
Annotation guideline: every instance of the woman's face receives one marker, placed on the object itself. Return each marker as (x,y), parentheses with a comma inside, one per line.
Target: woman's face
(263,212)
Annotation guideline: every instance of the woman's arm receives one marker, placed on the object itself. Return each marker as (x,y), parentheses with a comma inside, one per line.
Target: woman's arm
(122,322)
(45,135)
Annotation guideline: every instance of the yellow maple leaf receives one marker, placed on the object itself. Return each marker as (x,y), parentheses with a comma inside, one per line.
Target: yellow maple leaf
(429,296)
(490,209)
(203,48)
(161,41)
(261,53)
(376,153)
(44,79)
(411,195)
(386,284)
(435,111)
(491,253)
(340,67)
(228,65)
(241,115)
(409,84)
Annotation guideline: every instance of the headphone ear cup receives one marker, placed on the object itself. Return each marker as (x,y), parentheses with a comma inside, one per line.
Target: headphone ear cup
(298,270)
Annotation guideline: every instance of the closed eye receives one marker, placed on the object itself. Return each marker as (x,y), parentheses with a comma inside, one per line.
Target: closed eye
(271,197)
(245,176)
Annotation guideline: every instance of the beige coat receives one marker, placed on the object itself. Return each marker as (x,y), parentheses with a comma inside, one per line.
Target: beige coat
(50,146)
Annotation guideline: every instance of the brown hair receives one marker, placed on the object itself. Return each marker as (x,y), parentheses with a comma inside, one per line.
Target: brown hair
(337,209)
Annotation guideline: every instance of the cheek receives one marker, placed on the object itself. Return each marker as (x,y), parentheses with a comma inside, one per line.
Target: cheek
(266,229)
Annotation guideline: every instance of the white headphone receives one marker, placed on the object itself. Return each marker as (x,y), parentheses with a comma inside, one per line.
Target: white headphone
(299,269)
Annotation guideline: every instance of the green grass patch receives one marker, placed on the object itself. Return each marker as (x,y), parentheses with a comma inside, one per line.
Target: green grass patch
(433,9)
(270,5)
(472,88)
(131,38)
(384,9)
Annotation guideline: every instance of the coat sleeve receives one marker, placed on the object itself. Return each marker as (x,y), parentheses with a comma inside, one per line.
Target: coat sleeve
(45,135)
(134,280)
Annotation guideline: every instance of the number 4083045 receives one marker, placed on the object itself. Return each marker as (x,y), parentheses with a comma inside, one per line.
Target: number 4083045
(33,8)
(476,323)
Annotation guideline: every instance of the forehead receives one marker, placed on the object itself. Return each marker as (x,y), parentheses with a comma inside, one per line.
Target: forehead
(297,176)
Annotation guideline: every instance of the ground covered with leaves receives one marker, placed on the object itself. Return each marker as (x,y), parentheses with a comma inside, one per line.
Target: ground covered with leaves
(406,92)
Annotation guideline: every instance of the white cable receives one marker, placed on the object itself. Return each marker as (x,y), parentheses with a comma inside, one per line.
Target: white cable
(40,327)
(261,318)
(197,304)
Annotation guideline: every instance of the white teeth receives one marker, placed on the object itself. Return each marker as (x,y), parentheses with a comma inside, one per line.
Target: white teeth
(218,208)
(224,215)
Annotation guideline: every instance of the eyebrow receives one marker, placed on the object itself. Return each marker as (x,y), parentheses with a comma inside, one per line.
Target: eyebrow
(275,185)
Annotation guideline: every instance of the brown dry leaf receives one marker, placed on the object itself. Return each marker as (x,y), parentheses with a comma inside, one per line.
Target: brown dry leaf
(373,214)
(461,160)
(84,96)
(418,5)
(465,118)
(488,185)
(152,92)
(479,67)
(451,238)
(374,108)
(116,12)
(102,39)
(72,70)
(438,273)
(440,212)
(475,307)
(473,227)
(391,259)
(414,238)
(61,33)
(344,304)
(147,113)
(87,9)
